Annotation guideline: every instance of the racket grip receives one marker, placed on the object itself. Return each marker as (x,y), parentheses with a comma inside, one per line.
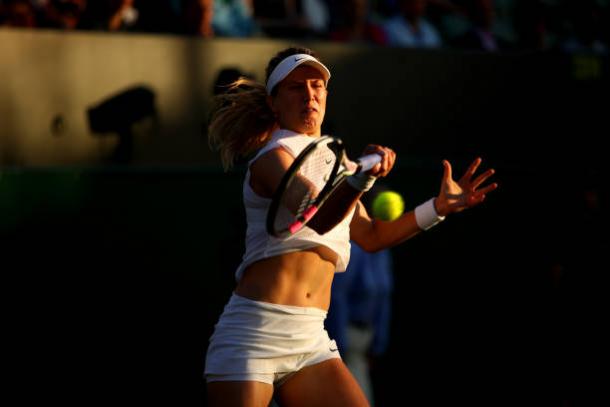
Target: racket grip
(368,161)
(308,214)
(295,227)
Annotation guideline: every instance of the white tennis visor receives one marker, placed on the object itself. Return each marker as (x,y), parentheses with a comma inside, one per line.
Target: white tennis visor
(289,64)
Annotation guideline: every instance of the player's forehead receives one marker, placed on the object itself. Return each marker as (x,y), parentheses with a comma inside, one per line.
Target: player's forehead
(304,73)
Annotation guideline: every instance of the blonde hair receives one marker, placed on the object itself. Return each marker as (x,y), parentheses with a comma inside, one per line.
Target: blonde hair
(241,121)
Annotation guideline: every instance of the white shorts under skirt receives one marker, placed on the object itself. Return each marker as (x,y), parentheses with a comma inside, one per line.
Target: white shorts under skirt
(260,341)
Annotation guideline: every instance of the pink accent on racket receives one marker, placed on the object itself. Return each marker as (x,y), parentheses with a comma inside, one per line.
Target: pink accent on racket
(295,227)
(308,214)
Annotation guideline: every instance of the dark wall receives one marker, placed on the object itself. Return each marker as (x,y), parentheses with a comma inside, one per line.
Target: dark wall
(114,279)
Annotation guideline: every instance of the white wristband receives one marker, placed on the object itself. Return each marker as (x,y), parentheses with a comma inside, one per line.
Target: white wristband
(426,216)
(362,181)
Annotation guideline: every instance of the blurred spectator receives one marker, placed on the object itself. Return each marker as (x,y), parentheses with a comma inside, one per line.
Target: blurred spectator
(438,11)
(480,35)
(384,8)
(448,17)
(504,20)
(218,18)
(17,13)
(317,15)
(355,24)
(292,18)
(409,28)
(491,25)
(64,14)
(233,18)
(197,18)
(130,15)
(110,15)
(533,24)
(585,29)
(124,15)
(155,17)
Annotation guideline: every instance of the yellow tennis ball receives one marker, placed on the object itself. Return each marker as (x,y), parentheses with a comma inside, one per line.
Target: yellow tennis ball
(388,205)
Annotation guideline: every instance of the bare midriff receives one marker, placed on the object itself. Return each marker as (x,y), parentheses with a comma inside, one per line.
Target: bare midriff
(300,278)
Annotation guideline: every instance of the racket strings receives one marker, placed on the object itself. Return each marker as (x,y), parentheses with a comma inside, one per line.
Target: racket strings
(303,189)
(307,200)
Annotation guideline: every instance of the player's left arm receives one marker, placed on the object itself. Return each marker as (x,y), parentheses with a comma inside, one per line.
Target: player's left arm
(454,196)
(374,234)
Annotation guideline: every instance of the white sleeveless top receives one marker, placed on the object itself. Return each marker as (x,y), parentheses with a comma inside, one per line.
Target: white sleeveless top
(261,245)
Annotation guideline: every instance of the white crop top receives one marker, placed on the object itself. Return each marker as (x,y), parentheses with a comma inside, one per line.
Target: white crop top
(261,245)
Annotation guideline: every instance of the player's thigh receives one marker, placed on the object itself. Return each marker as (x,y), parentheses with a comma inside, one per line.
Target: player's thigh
(329,383)
(239,394)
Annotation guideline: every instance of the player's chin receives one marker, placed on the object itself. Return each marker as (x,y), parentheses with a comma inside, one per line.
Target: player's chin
(310,124)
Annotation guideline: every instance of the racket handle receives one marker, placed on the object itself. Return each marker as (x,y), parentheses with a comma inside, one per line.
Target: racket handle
(368,161)
(296,226)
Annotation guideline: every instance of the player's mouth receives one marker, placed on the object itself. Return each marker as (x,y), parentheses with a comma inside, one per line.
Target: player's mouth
(309,110)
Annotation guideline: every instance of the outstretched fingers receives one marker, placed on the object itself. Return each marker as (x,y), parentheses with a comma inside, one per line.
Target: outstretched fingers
(479,196)
(471,170)
(488,189)
(482,178)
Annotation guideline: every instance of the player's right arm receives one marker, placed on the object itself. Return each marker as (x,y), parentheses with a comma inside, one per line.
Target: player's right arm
(266,174)
(267,171)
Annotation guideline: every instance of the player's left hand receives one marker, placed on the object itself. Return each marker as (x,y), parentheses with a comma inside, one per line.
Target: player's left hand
(456,196)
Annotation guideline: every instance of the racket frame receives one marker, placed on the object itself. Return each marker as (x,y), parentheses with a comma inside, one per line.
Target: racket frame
(335,145)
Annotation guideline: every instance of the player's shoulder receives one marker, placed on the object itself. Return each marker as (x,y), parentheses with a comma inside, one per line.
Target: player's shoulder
(267,170)
(277,157)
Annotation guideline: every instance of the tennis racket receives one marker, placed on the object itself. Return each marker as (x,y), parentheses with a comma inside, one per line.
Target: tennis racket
(311,179)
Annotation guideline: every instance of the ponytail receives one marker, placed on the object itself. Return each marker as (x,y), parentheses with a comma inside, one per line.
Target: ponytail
(241,121)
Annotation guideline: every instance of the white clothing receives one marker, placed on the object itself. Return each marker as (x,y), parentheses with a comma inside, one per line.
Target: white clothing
(261,245)
(261,341)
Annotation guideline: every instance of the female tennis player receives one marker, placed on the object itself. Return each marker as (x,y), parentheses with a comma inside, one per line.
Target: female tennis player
(270,340)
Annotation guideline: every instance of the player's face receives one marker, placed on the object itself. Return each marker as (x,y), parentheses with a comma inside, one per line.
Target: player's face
(300,102)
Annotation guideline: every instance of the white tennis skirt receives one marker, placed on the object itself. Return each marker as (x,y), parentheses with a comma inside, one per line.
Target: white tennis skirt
(266,342)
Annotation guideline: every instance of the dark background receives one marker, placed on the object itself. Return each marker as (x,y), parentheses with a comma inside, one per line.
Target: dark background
(114,275)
